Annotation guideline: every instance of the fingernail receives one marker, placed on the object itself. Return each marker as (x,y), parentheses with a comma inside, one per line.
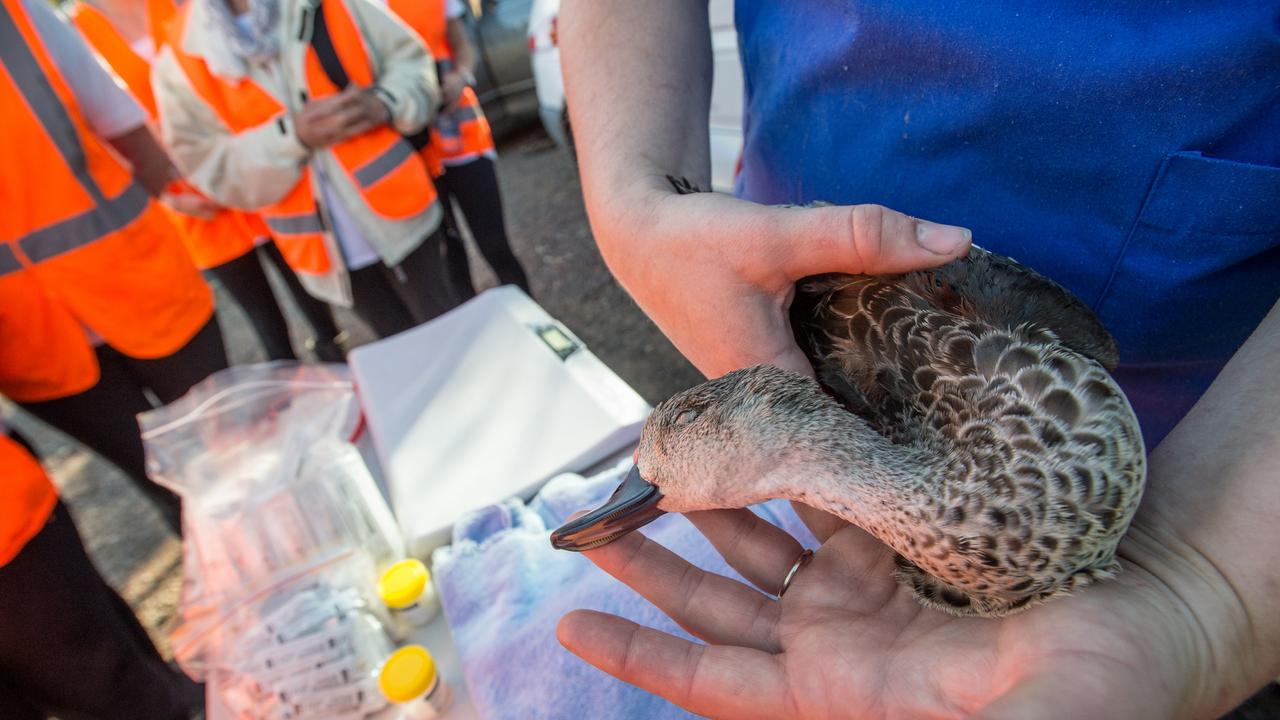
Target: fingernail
(942,239)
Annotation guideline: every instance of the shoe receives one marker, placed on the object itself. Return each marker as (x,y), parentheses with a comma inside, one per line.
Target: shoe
(332,350)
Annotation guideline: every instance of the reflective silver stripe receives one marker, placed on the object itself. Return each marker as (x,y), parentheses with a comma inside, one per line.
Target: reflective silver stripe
(30,79)
(8,261)
(465,113)
(381,166)
(87,227)
(108,215)
(295,224)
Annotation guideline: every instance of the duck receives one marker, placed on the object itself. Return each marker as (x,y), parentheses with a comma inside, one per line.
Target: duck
(963,415)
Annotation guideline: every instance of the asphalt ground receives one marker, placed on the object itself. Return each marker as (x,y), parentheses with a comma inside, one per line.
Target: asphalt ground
(549,232)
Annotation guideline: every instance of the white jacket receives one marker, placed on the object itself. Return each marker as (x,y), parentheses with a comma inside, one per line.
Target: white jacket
(258,167)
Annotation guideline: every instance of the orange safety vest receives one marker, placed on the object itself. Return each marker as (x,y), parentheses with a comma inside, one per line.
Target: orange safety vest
(230,233)
(159,19)
(391,177)
(81,243)
(26,498)
(463,131)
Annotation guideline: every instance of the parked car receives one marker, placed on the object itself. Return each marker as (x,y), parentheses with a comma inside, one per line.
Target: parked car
(544,55)
(726,88)
(504,79)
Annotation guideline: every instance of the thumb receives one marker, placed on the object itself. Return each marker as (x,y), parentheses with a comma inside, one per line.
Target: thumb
(859,239)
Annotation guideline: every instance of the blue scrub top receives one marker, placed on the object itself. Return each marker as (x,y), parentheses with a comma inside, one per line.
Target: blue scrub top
(1128,149)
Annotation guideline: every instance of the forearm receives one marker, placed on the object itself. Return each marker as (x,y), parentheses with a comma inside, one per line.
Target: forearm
(1216,481)
(638,87)
(406,81)
(151,165)
(247,170)
(464,53)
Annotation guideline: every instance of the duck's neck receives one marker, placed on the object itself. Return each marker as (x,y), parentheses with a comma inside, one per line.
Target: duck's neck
(853,472)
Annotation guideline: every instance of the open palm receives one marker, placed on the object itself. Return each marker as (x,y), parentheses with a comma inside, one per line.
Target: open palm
(848,641)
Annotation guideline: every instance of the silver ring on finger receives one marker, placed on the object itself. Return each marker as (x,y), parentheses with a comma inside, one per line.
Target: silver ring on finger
(800,562)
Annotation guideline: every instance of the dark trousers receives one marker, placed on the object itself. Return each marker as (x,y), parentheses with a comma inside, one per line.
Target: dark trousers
(474,186)
(70,644)
(394,299)
(246,279)
(103,417)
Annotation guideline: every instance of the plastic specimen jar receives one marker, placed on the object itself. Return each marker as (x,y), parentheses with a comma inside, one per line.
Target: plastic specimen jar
(406,589)
(410,681)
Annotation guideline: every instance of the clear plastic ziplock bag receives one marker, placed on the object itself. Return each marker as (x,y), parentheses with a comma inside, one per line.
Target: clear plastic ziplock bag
(272,490)
(308,646)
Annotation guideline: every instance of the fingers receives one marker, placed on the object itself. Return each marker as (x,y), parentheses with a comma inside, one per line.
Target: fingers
(761,552)
(338,123)
(859,239)
(359,124)
(352,122)
(710,606)
(450,91)
(347,115)
(716,681)
(854,573)
(331,104)
(821,523)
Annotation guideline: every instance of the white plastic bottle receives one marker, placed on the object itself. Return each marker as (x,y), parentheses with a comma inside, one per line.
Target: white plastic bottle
(406,589)
(412,684)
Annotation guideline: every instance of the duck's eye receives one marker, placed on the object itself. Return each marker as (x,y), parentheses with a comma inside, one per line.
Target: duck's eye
(686,416)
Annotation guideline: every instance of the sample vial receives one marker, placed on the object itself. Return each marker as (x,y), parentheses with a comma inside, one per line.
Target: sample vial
(410,681)
(406,589)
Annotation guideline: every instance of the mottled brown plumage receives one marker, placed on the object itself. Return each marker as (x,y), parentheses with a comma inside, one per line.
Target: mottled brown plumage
(974,429)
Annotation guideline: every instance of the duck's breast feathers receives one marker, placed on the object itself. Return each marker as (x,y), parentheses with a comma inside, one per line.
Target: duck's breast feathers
(1007,294)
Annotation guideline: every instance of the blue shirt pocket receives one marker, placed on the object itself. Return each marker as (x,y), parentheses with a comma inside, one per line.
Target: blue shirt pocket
(1201,265)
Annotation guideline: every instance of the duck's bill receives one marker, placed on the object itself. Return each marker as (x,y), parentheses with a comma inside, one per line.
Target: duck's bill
(633,505)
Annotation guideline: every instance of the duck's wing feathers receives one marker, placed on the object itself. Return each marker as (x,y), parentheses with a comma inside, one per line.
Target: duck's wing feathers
(866,338)
(888,354)
(1007,294)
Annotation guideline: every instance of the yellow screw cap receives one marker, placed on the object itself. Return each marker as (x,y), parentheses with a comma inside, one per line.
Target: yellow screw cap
(402,583)
(407,674)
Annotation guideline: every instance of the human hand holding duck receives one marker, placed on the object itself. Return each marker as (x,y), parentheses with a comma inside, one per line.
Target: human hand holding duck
(856,643)
(847,641)
(961,414)
(1187,629)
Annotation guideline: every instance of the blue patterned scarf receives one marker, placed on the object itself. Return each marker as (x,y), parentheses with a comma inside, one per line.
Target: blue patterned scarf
(257,39)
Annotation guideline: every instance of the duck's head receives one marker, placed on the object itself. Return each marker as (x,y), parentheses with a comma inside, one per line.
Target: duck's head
(711,446)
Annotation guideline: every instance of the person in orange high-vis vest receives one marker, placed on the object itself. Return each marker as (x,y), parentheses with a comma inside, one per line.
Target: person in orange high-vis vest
(229,245)
(460,151)
(68,642)
(318,145)
(99,302)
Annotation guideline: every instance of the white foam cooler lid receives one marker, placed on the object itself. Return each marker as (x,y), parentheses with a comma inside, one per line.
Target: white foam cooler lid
(485,402)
